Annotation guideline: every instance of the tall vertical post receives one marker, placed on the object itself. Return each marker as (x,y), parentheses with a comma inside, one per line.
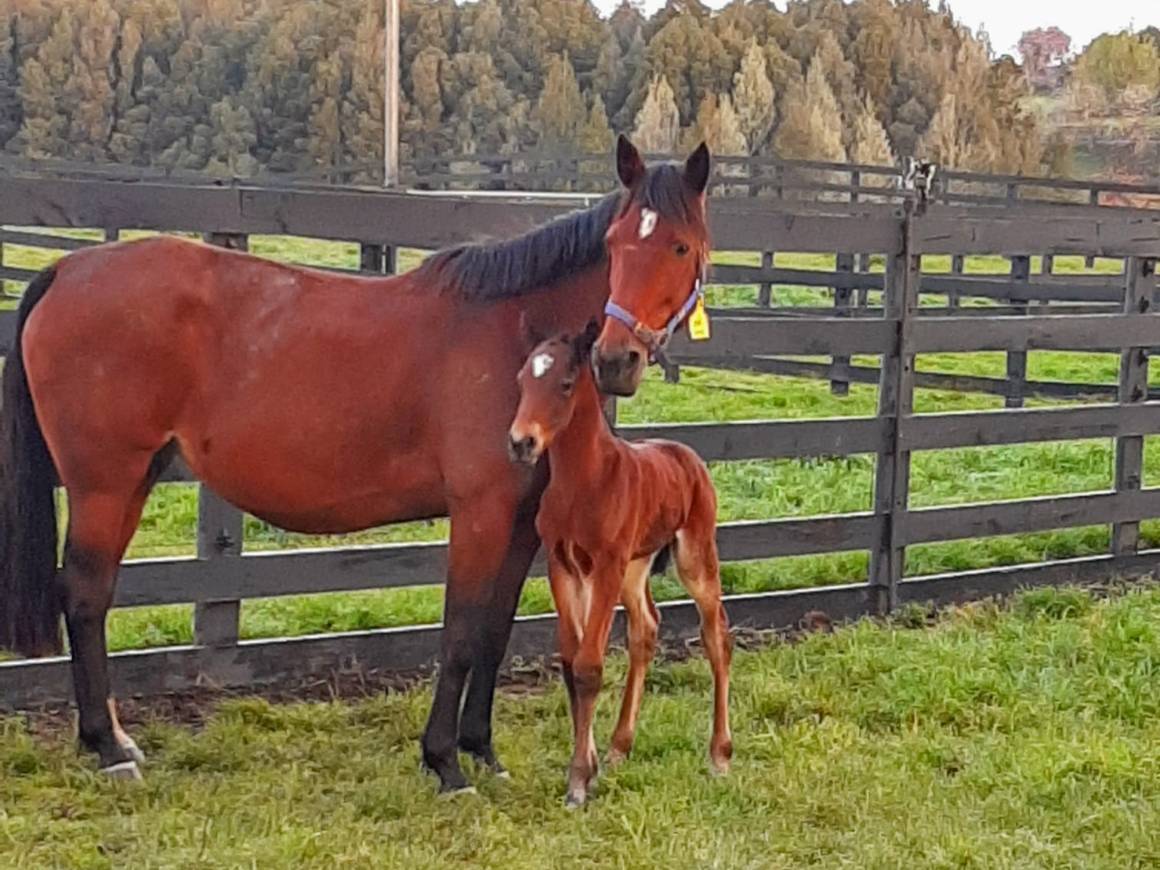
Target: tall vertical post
(895,403)
(220,530)
(840,373)
(391,94)
(1017,359)
(1133,388)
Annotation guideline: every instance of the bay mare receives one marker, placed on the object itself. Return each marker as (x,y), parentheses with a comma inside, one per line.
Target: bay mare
(317,402)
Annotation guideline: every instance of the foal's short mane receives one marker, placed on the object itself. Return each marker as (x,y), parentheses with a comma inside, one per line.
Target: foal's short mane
(539,258)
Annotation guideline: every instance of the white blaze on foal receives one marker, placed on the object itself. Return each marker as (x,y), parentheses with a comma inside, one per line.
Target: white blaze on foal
(541,363)
(648,222)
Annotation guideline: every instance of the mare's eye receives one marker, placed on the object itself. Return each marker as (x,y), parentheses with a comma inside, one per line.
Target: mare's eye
(681,248)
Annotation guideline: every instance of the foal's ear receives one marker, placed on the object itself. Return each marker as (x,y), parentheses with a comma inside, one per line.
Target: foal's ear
(629,165)
(697,169)
(586,339)
(529,335)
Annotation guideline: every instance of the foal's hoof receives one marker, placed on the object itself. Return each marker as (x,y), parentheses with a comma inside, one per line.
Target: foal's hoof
(719,766)
(127,770)
(615,757)
(575,800)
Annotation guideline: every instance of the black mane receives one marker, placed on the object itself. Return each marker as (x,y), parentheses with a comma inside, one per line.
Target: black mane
(541,257)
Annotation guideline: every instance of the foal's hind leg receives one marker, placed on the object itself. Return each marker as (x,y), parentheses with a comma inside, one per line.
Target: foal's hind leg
(643,620)
(100,527)
(699,570)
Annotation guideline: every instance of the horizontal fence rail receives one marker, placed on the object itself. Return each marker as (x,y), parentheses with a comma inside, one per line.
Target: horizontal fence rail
(751,176)
(1022,312)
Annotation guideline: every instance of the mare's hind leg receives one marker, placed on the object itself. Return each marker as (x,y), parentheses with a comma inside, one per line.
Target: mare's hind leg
(492,642)
(698,568)
(643,620)
(99,529)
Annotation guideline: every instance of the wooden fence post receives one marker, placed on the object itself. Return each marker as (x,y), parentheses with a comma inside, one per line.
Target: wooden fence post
(219,533)
(1017,359)
(958,262)
(370,258)
(219,537)
(765,290)
(895,401)
(840,379)
(1133,389)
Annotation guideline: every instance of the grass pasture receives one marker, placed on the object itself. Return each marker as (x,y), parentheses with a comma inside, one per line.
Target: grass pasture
(747,490)
(992,737)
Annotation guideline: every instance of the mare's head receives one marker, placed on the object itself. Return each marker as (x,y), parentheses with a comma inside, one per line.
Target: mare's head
(548,391)
(658,246)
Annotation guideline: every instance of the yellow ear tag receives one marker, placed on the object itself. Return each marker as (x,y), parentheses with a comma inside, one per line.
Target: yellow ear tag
(699,322)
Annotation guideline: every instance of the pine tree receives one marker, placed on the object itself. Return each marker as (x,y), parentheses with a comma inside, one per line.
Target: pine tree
(659,122)
(869,143)
(233,135)
(943,141)
(10,108)
(90,89)
(753,98)
(43,87)
(560,110)
(812,126)
(325,125)
(362,104)
(612,78)
(595,136)
(719,127)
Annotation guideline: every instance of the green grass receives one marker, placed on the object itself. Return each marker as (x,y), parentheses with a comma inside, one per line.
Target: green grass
(748,490)
(1018,737)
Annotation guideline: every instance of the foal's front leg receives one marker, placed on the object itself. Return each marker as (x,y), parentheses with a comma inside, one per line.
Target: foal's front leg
(588,676)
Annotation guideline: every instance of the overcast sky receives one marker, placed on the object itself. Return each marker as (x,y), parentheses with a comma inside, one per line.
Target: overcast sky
(1006,19)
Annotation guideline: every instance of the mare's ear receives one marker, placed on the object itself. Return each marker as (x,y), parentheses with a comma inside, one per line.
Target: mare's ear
(529,335)
(586,339)
(697,169)
(629,165)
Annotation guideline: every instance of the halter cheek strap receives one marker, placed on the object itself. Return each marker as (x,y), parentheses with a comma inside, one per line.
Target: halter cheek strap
(655,339)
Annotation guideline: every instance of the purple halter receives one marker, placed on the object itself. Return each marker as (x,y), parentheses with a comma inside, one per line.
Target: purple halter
(655,340)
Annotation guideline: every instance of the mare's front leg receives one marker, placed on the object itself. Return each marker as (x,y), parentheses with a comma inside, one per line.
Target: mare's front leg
(588,677)
(493,636)
(481,530)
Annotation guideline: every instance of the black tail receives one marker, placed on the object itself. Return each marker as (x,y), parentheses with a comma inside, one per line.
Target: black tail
(29,603)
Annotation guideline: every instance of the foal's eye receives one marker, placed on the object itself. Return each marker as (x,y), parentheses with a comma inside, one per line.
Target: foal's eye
(567,387)
(681,248)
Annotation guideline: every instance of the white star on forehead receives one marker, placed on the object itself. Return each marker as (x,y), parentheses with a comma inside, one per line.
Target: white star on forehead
(648,222)
(541,363)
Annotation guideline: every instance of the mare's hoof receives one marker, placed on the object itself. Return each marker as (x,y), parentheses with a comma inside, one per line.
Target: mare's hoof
(134,751)
(127,770)
(452,793)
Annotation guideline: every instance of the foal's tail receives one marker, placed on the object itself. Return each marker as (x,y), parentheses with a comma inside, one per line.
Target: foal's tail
(29,603)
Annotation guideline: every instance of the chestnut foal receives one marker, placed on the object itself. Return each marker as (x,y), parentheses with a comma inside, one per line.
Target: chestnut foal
(610,508)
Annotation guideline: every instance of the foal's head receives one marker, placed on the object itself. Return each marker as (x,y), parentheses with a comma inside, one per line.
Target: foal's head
(548,392)
(658,246)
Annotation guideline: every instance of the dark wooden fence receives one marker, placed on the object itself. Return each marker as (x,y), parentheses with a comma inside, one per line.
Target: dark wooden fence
(748,176)
(222,574)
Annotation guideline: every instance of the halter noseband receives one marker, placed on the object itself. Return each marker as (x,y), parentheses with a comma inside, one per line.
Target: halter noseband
(656,339)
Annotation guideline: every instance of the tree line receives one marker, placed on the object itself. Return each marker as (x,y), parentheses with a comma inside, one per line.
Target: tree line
(239,86)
